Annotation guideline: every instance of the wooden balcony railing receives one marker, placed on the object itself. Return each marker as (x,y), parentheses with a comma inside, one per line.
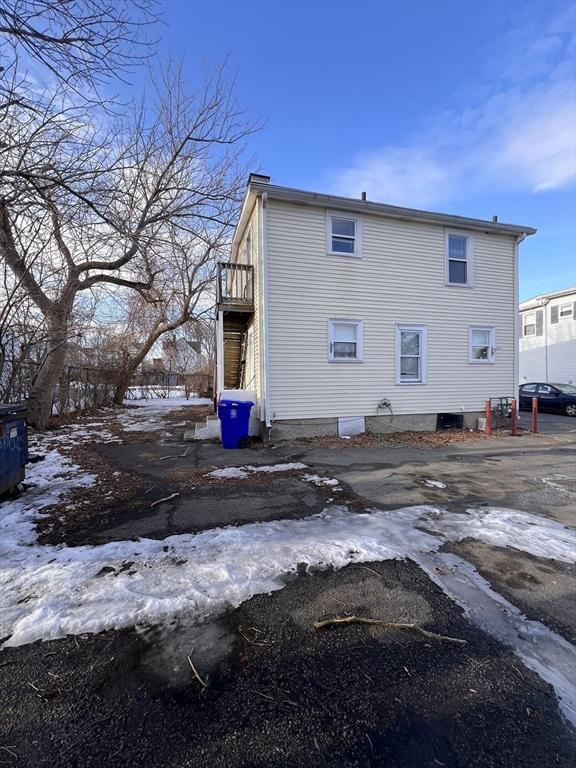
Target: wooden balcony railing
(235,286)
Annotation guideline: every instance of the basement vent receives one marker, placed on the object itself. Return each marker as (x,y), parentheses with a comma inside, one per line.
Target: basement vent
(449,421)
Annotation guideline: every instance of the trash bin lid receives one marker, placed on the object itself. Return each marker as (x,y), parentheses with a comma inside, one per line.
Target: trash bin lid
(8,410)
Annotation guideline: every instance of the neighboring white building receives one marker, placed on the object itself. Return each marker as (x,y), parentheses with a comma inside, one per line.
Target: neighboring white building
(548,338)
(340,314)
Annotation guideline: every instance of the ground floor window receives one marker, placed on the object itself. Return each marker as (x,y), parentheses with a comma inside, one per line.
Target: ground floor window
(481,344)
(345,341)
(410,354)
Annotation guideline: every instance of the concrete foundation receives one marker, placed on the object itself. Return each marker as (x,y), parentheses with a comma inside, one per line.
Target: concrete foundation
(293,429)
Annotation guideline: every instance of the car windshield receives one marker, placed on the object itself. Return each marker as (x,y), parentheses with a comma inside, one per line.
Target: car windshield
(568,389)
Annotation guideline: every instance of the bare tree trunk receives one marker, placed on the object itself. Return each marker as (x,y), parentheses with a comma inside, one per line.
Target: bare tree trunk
(40,399)
(130,366)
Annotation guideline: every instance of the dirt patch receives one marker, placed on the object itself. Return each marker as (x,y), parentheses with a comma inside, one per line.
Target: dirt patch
(85,502)
(404,439)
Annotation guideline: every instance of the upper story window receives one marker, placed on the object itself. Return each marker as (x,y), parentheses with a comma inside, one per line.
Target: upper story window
(529,324)
(345,339)
(410,354)
(344,235)
(481,344)
(566,311)
(459,264)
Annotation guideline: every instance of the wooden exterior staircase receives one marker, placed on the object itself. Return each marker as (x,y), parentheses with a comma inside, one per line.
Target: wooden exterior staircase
(235,299)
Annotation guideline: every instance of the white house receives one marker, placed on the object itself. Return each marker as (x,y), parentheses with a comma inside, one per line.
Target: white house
(548,338)
(339,315)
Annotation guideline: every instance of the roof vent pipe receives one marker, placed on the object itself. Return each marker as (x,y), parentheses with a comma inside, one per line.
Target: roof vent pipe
(495,219)
(363,196)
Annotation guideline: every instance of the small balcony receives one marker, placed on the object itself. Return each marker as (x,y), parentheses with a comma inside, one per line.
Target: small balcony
(235,287)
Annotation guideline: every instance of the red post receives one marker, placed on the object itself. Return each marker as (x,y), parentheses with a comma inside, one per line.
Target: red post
(488,417)
(534,414)
(513,418)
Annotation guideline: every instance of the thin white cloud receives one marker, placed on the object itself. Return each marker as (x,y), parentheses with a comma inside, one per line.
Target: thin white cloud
(519,132)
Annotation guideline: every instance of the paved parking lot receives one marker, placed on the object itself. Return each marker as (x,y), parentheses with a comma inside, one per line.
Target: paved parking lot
(551,423)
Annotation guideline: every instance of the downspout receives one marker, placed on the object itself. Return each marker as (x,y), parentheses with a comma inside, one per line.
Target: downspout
(265,313)
(545,319)
(517,242)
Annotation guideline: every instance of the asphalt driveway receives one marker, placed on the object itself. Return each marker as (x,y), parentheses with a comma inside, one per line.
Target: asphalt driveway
(256,684)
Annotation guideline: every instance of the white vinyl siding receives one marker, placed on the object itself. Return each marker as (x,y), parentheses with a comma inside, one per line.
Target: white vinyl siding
(550,354)
(345,341)
(399,279)
(411,344)
(481,344)
(343,235)
(459,259)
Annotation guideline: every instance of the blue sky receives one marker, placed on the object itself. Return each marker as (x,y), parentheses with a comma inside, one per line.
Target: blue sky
(463,107)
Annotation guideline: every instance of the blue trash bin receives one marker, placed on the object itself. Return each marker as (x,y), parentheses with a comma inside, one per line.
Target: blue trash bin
(13,446)
(234,418)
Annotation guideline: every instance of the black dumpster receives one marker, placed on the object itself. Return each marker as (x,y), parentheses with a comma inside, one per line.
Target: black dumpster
(13,446)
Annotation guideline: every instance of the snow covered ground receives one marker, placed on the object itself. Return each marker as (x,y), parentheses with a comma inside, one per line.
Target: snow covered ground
(150,416)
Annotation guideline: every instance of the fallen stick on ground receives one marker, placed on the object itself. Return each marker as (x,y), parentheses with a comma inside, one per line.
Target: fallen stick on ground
(387,625)
(166,498)
(195,671)
(176,456)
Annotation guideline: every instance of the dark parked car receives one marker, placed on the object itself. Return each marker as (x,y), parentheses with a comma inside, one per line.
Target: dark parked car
(560,398)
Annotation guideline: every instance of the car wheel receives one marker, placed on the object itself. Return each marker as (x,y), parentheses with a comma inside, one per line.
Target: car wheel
(570,410)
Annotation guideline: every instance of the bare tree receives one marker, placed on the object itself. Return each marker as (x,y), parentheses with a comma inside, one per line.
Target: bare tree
(181,295)
(80,42)
(81,208)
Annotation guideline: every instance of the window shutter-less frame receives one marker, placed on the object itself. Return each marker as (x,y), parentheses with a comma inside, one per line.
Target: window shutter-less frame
(539,322)
(554,314)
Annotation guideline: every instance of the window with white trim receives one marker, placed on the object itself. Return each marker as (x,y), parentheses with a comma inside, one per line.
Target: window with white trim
(565,311)
(529,324)
(459,266)
(481,344)
(345,341)
(344,235)
(411,354)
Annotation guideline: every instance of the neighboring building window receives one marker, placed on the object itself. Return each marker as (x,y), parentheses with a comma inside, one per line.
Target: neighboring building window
(344,236)
(410,354)
(458,259)
(345,338)
(529,324)
(566,311)
(481,344)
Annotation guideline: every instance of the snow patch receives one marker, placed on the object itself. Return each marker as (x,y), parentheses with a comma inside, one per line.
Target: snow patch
(434,484)
(48,481)
(321,481)
(228,472)
(242,472)
(539,536)
(545,652)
